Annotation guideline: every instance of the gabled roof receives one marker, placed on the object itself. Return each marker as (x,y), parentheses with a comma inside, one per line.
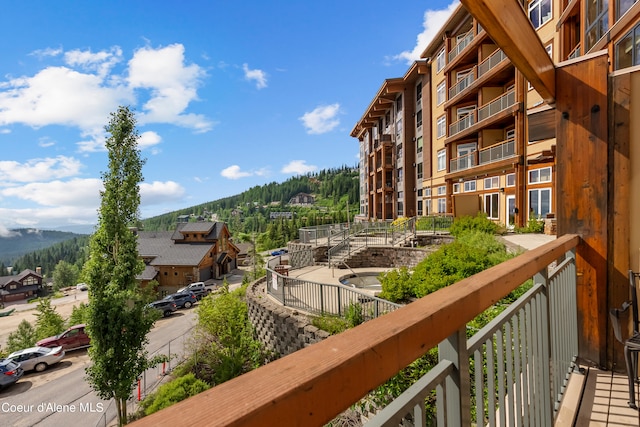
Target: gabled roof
(210,229)
(162,248)
(4,280)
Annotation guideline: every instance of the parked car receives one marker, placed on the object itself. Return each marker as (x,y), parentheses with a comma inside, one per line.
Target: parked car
(82,287)
(165,307)
(184,299)
(37,358)
(73,338)
(279,252)
(10,372)
(198,288)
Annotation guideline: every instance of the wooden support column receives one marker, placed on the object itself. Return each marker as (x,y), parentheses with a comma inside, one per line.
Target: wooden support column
(583,206)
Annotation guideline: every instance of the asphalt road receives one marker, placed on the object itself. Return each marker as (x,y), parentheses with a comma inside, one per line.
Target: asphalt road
(60,396)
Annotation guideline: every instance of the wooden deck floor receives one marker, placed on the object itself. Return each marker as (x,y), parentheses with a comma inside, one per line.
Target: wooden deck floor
(603,401)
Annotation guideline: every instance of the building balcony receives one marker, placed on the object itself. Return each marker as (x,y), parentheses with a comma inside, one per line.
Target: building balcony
(497,105)
(497,152)
(462,44)
(462,84)
(491,62)
(463,162)
(462,124)
(529,355)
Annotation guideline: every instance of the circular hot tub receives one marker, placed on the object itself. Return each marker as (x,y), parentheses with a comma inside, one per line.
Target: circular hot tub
(365,280)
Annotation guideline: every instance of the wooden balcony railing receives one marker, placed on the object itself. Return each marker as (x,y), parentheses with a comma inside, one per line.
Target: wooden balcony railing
(311,386)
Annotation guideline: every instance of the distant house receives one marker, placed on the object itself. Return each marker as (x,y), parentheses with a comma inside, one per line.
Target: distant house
(302,199)
(194,252)
(25,285)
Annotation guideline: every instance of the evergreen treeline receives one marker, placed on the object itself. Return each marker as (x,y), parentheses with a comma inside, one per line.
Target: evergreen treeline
(249,212)
(24,240)
(247,215)
(74,251)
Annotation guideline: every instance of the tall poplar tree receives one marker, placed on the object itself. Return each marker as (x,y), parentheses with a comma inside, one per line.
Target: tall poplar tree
(118,317)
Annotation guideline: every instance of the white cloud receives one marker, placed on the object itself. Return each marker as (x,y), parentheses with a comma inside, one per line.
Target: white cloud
(86,89)
(45,142)
(102,62)
(234,172)
(148,139)
(60,96)
(322,119)
(76,192)
(38,169)
(173,86)
(47,52)
(158,192)
(259,76)
(433,22)
(4,232)
(298,167)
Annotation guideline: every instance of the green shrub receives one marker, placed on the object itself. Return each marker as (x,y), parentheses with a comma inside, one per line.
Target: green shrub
(79,315)
(331,324)
(535,225)
(173,392)
(396,285)
(23,337)
(480,222)
(354,315)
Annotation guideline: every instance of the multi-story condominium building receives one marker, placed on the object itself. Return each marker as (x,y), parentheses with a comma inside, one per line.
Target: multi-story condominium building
(463,131)
(392,147)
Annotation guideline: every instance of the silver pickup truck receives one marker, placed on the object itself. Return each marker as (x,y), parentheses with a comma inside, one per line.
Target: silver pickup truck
(198,288)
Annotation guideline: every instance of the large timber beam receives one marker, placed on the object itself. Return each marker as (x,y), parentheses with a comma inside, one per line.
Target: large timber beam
(508,26)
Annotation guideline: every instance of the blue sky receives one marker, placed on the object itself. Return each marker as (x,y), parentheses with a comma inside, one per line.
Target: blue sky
(227,94)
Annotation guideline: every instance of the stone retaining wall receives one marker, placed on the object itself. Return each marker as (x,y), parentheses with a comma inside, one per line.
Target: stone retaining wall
(388,257)
(281,330)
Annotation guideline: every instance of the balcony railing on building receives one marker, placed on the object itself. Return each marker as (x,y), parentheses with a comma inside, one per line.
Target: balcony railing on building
(511,372)
(462,84)
(465,122)
(497,105)
(575,52)
(491,62)
(497,151)
(462,44)
(463,162)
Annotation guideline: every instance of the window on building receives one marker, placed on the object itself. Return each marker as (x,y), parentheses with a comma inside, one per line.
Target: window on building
(441,126)
(441,93)
(419,119)
(399,103)
(549,49)
(442,190)
(420,210)
(419,144)
(427,192)
(400,209)
(399,151)
(597,21)
(419,170)
(511,180)
(442,205)
(469,186)
(442,160)
(539,202)
(493,182)
(400,195)
(622,6)
(627,50)
(537,176)
(491,204)
(427,207)
(456,188)
(419,92)
(539,12)
(400,174)
(440,61)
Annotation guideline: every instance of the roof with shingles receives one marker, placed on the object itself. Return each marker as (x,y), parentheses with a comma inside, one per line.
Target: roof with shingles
(161,247)
(211,229)
(4,280)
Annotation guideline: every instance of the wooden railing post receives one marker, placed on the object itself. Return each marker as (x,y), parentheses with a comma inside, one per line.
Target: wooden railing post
(456,411)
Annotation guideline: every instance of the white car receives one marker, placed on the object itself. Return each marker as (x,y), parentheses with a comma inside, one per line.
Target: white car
(82,287)
(37,358)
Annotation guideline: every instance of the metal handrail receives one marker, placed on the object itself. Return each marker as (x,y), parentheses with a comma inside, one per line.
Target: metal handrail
(322,299)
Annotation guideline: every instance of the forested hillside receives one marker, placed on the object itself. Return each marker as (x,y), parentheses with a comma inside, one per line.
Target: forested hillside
(74,251)
(249,212)
(24,240)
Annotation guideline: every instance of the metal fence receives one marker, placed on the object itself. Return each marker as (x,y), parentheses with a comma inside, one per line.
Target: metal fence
(324,299)
(517,366)
(174,353)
